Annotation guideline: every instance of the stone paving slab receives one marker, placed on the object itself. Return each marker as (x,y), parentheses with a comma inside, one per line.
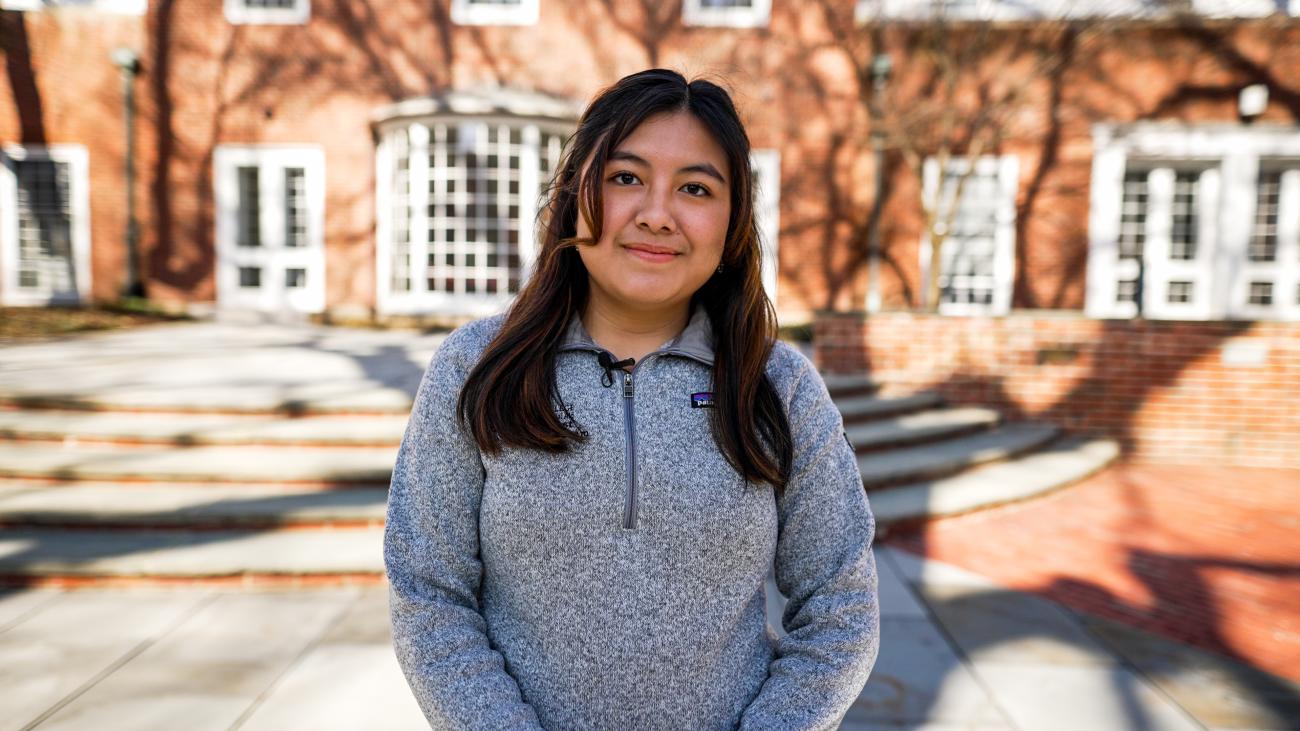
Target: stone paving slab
(171,504)
(210,670)
(1221,693)
(322,658)
(340,687)
(191,554)
(199,429)
(920,426)
(76,640)
(1081,698)
(356,465)
(951,455)
(212,365)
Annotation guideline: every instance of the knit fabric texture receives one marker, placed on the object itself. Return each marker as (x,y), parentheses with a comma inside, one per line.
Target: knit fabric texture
(621,586)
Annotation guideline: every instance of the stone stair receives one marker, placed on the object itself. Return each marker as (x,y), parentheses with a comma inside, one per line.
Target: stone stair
(112,477)
(920,459)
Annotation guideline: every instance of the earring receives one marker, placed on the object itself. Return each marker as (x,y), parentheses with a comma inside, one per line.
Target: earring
(719,269)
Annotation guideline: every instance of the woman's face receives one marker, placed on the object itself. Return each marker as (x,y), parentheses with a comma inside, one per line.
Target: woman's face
(666,188)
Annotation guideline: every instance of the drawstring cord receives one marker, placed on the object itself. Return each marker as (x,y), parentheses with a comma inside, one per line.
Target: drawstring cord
(609,364)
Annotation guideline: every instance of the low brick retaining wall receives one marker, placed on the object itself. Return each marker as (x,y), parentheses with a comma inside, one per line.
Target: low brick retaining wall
(1224,392)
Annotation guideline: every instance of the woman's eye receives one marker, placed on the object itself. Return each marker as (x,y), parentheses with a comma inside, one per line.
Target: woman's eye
(624,178)
(695,189)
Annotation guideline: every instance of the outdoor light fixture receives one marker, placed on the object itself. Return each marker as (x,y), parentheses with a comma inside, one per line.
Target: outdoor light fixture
(881,66)
(1252,101)
(128,62)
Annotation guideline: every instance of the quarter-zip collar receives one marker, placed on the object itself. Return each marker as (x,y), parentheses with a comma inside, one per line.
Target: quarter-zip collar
(694,341)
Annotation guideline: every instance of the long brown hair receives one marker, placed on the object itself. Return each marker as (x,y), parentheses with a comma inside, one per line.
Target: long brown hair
(512,387)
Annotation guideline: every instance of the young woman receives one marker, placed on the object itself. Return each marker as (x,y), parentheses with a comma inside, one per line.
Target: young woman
(594,485)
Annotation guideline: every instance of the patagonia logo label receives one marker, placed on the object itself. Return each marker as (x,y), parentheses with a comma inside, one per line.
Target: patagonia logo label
(702,400)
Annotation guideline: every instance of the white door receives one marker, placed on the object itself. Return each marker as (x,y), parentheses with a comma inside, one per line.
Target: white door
(270,216)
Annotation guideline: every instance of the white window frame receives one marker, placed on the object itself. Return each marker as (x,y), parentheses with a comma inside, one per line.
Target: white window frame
(467,12)
(766,164)
(866,11)
(227,159)
(1231,155)
(1006,170)
(757,15)
(121,7)
(238,13)
(77,159)
(419,299)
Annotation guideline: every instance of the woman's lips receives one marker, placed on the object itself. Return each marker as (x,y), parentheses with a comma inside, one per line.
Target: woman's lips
(651,256)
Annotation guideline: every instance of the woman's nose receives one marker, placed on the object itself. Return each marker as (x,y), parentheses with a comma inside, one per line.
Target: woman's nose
(654,214)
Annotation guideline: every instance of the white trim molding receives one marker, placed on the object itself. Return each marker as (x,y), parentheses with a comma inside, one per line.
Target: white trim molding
(469,12)
(1195,222)
(242,12)
(750,14)
(866,11)
(979,257)
(120,7)
(766,166)
(49,279)
(270,219)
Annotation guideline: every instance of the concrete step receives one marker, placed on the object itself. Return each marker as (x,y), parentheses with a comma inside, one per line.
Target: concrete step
(842,385)
(26,504)
(201,428)
(331,554)
(925,426)
(937,459)
(865,408)
(215,367)
(1066,461)
(325,466)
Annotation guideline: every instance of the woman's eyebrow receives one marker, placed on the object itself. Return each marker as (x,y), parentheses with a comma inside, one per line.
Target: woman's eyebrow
(699,167)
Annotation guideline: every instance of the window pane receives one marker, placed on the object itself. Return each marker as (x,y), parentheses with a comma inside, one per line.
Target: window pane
(1261,293)
(44,225)
(1263,240)
(250,277)
(250,212)
(1182,237)
(1179,292)
(295,207)
(1132,228)
(295,278)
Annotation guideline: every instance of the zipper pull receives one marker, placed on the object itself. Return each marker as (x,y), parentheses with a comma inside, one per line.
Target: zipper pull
(627,385)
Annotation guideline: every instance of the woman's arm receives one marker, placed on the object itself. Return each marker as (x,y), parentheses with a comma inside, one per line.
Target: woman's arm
(826,569)
(431,553)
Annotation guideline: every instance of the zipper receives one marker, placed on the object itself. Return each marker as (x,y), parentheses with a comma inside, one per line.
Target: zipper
(629,418)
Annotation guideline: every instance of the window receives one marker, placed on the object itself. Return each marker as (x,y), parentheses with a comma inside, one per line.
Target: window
(868,10)
(270,219)
(494,12)
(123,7)
(44,225)
(732,13)
(977,262)
(268,12)
(1195,222)
(766,167)
(460,199)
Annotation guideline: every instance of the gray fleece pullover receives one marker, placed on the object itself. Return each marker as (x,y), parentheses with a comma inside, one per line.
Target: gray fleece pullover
(621,586)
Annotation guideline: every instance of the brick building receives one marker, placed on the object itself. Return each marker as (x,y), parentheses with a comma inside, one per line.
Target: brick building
(1123,257)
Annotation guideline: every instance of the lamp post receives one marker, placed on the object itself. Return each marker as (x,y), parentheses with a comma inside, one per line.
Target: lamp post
(128,63)
(881,65)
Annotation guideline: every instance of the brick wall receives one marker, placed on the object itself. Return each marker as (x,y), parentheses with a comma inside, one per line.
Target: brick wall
(1169,392)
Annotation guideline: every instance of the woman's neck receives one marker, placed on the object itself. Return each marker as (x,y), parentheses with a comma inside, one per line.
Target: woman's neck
(632,334)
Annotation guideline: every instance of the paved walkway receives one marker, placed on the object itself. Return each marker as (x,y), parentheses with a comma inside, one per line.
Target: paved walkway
(958,652)
(1209,556)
